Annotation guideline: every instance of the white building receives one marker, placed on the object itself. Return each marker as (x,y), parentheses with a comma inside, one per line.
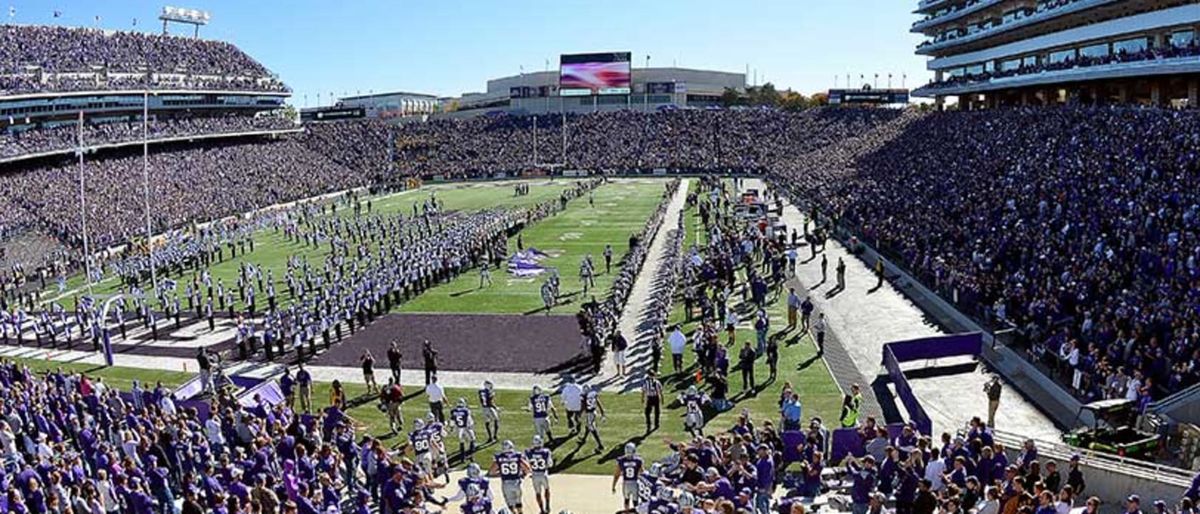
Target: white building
(392,105)
(652,88)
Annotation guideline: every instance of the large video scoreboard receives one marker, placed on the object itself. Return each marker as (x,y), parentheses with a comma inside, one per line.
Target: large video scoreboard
(594,74)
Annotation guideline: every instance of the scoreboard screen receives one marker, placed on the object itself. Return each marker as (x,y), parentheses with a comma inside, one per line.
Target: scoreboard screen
(867,96)
(594,74)
(333,114)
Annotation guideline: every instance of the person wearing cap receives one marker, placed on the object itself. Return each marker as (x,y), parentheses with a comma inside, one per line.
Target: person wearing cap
(715,486)
(1077,483)
(764,486)
(1133,504)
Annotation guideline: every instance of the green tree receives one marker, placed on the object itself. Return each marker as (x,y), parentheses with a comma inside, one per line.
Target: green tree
(765,95)
(730,97)
(792,101)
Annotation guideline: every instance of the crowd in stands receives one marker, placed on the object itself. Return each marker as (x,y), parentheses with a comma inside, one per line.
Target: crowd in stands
(1192,49)
(750,139)
(364,146)
(1071,223)
(61,59)
(192,185)
(29,83)
(66,137)
(66,49)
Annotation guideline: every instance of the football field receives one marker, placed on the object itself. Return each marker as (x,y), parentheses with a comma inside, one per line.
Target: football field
(619,209)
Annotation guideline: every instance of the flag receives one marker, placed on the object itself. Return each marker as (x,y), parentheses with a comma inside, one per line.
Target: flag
(12,11)
(135,22)
(57,13)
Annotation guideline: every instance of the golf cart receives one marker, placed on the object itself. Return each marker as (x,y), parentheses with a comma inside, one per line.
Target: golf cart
(1113,431)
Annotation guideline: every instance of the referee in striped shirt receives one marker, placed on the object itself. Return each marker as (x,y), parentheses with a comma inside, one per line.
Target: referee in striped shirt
(652,399)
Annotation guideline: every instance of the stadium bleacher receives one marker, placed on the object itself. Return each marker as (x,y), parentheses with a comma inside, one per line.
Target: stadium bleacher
(37,59)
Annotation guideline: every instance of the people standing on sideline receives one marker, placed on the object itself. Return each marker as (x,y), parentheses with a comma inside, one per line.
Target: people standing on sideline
(992,389)
(841,274)
(205,365)
(572,398)
(437,399)
(851,407)
(819,333)
(678,343)
(652,399)
(806,310)
(394,358)
(879,272)
(429,355)
(824,268)
(485,276)
(619,345)
(304,383)
(368,368)
(793,307)
(608,255)
(746,364)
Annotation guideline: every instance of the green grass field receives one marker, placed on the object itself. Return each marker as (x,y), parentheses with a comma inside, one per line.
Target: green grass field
(271,249)
(620,209)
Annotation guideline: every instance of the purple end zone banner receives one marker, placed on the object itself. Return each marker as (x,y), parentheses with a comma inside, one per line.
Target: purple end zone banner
(923,349)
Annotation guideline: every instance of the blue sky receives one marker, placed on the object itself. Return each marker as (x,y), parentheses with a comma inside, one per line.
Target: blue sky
(449,47)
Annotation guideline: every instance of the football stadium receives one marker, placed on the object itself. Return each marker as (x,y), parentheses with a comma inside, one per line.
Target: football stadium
(606,287)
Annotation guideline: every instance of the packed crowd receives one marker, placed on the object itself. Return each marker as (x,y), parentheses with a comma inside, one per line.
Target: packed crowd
(625,140)
(65,138)
(55,50)
(1070,223)
(1191,49)
(193,185)
(28,83)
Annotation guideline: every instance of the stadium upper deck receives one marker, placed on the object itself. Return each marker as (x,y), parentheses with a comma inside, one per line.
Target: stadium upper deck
(1006,52)
(188,87)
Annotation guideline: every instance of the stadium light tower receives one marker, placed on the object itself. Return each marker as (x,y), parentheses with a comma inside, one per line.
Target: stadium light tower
(193,17)
(87,256)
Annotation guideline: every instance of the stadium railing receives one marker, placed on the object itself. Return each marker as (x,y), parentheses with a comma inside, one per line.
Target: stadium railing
(133,142)
(1062,453)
